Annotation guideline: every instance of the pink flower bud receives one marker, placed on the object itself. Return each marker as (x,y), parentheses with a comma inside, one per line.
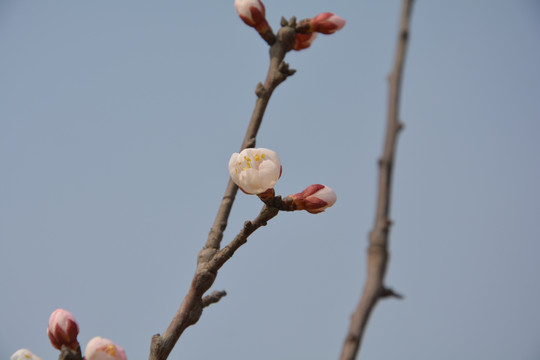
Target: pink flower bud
(63,330)
(314,199)
(327,23)
(252,12)
(303,41)
(103,349)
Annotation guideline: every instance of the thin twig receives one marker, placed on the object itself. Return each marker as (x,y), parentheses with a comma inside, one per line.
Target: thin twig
(377,253)
(211,258)
(213,298)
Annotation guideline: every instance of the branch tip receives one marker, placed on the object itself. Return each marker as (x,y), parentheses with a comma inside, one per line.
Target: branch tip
(213,298)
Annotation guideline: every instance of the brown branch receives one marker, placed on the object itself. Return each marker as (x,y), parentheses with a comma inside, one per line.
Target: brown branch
(191,308)
(211,258)
(377,253)
(278,71)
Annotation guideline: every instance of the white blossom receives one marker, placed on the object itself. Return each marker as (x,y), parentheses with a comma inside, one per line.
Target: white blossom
(255,170)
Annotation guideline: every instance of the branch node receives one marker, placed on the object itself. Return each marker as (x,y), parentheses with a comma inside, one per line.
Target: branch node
(260,90)
(248,225)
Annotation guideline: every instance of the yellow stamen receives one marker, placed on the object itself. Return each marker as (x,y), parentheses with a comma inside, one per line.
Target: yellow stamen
(263,156)
(110,350)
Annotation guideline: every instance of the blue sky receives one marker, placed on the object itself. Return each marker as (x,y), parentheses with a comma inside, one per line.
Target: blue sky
(117,120)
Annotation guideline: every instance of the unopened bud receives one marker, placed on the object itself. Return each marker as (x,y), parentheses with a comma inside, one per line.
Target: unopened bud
(252,12)
(303,41)
(327,23)
(103,349)
(63,330)
(24,354)
(314,199)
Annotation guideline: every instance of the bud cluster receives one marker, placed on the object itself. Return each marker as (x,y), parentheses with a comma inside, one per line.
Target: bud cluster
(253,13)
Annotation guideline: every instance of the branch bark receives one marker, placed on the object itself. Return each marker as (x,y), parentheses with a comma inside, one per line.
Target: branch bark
(377,252)
(191,308)
(211,258)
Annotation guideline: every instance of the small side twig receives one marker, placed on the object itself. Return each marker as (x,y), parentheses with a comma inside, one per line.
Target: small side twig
(377,253)
(213,298)
(210,261)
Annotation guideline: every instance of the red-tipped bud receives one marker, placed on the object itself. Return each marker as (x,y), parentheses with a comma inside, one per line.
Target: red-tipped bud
(303,41)
(327,23)
(63,330)
(314,199)
(252,12)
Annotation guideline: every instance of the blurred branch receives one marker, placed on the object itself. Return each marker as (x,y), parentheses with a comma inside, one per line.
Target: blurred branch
(377,253)
(211,258)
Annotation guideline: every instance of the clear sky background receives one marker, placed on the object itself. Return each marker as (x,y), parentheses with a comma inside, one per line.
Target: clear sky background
(117,121)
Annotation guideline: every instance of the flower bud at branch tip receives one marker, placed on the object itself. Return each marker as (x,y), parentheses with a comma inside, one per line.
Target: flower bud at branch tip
(103,349)
(255,170)
(252,13)
(327,23)
(314,199)
(24,354)
(63,330)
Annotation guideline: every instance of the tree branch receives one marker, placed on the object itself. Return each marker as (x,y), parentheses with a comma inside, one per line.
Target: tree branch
(211,258)
(278,71)
(377,253)
(191,308)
